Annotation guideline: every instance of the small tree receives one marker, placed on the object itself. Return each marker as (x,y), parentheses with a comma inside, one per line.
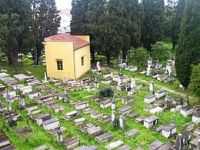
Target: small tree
(106,92)
(161,51)
(194,85)
(138,57)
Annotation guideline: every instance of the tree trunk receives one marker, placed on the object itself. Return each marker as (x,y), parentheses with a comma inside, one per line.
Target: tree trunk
(124,55)
(108,58)
(93,55)
(14,60)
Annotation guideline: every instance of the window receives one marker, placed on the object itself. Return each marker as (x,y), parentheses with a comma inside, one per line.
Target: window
(59,64)
(82,60)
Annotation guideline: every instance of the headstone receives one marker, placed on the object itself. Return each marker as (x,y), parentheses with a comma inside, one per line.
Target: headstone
(121,122)
(59,135)
(98,66)
(179,142)
(133,84)
(22,102)
(151,87)
(113,116)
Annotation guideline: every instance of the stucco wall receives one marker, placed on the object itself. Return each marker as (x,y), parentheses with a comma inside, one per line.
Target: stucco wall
(79,69)
(59,50)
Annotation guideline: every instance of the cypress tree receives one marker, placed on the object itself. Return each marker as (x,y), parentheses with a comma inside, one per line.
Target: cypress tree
(153,24)
(188,51)
(177,22)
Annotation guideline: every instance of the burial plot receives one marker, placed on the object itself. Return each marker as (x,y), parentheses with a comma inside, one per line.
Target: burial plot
(86,148)
(41,118)
(167,131)
(160,94)
(124,147)
(114,145)
(150,99)
(5,143)
(51,124)
(186,111)
(156,145)
(81,105)
(94,131)
(79,121)
(71,115)
(131,133)
(150,121)
(105,103)
(25,132)
(20,77)
(71,143)
(104,137)
(195,143)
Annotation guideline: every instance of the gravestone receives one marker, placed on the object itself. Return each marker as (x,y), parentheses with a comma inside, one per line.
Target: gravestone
(151,87)
(179,142)
(98,66)
(59,135)
(122,122)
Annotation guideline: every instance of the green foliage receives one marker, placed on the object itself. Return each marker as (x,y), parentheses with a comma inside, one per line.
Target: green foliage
(194,85)
(188,51)
(14,17)
(177,21)
(138,57)
(153,23)
(44,22)
(106,92)
(160,51)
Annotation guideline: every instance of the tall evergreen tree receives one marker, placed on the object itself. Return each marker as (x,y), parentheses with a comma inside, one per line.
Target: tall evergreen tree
(78,12)
(14,19)
(153,24)
(177,22)
(45,22)
(188,51)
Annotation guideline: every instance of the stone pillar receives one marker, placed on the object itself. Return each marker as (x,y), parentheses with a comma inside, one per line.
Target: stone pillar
(179,142)
(133,84)
(45,78)
(59,136)
(22,102)
(113,116)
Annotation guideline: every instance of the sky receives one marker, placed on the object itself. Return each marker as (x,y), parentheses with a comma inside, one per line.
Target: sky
(63,4)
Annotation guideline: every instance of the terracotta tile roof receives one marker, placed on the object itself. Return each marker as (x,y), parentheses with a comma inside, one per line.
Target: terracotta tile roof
(67,37)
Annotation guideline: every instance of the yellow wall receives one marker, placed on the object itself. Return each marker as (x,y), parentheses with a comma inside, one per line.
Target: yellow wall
(79,69)
(59,50)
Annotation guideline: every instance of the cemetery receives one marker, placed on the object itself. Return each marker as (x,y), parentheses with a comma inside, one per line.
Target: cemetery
(79,114)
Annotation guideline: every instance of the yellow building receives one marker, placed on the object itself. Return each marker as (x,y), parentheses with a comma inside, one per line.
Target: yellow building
(67,56)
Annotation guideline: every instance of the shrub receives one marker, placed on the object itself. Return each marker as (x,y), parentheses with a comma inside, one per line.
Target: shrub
(106,92)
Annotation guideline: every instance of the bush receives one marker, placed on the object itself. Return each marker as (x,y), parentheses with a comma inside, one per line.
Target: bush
(161,51)
(138,57)
(194,85)
(106,92)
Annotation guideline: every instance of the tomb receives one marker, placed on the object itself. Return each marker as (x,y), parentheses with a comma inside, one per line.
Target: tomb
(104,137)
(79,121)
(114,145)
(71,143)
(150,99)
(160,94)
(95,114)
(51,124)
(156,145)
(106,103)
(3,141)
(196,117)
(167,131)
(131,133)
(195,143)
(124,147)
(150,121)
(42,118)
(186,111)
(71,115)
(81,105)
(126,110)
(21,77)
(2,87)
(26,89)
(140,119)
(94,131)
(86,148)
